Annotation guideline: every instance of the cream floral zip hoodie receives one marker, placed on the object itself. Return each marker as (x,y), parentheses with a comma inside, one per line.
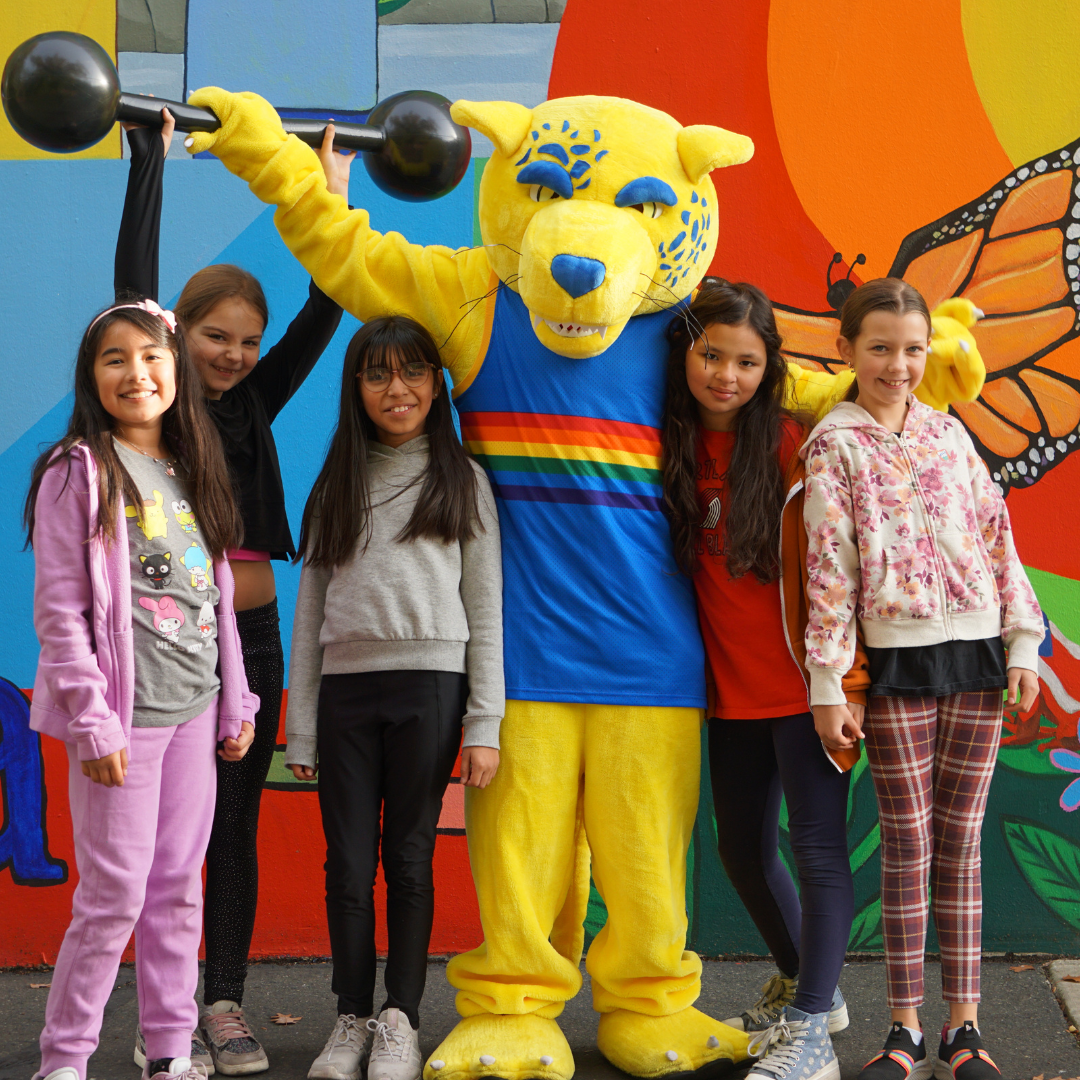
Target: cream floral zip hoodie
(908,533)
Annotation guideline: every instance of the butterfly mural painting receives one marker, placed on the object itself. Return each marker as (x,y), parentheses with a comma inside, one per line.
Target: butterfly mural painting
(1014,251)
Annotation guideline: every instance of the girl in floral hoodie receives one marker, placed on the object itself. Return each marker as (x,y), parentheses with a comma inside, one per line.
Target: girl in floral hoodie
(910,541)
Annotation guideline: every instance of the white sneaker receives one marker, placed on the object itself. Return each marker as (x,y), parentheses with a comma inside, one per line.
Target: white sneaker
(345,1052)
(66,1073)
(179,1069)
(395,1054)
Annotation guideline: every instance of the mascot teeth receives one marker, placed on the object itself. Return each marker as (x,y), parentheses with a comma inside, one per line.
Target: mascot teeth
(569,329)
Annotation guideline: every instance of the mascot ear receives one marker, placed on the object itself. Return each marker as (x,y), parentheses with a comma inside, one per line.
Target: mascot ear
(703,148)
(505,123)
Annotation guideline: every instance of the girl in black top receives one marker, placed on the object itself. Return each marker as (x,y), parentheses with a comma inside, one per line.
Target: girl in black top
(223,312)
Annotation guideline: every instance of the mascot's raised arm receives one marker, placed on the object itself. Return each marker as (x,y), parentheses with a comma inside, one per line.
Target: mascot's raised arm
(598,218)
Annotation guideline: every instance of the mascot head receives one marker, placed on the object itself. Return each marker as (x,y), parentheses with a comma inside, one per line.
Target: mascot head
(597,209)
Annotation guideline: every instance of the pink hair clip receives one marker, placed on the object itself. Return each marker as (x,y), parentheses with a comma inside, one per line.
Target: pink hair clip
(150,306)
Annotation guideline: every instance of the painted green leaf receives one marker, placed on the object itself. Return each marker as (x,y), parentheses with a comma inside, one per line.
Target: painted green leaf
(386,6)
(595,915)
(1028,760)
(865,848)
(1050,863)
(866,929)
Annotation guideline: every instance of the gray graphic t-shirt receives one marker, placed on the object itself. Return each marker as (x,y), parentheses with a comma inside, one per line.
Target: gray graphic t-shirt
(173,599)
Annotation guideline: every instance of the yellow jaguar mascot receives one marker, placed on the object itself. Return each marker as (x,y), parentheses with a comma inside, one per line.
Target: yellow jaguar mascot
(598,218)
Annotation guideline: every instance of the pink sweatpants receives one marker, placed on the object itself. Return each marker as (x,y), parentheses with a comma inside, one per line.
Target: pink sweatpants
(139,849)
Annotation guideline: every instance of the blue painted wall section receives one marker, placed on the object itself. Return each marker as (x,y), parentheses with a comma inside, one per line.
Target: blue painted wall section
(292,52)
(24,847)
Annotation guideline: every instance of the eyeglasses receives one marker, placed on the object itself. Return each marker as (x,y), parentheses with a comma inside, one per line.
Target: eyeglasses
(380,377)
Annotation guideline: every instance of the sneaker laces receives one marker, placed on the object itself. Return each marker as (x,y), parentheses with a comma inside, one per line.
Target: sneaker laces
(779,1047)
(394,1042)
(226,1026)
(776,993)
(347,1033)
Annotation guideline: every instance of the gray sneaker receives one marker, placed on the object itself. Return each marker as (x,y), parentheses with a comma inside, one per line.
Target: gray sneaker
(346,1051)
(395,1051)
(775,995)
(235,1050)
(767,1010)
(798,1047)
(200,1054)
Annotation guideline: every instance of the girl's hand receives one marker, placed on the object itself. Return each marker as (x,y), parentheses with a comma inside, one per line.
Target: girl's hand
(336,166)
(1023,688)
(167,128)
(837,726)
(304,772)
(478,765)
(109,770)
(235,749)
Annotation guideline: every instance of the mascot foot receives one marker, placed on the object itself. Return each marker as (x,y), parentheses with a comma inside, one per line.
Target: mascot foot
(684,1044)
(507,1047)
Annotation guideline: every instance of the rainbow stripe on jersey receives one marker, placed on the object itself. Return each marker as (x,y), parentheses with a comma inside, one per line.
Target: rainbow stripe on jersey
(541,457)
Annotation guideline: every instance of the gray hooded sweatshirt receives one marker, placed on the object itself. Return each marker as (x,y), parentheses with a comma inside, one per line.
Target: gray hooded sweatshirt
(421,605)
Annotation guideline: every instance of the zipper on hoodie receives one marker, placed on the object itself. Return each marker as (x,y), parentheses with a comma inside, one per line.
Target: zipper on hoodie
(939,562)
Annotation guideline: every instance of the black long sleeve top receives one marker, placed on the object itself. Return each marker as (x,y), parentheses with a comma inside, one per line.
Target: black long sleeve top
(243,415)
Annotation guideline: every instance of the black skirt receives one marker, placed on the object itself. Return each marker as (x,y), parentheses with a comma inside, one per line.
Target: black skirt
(951,667)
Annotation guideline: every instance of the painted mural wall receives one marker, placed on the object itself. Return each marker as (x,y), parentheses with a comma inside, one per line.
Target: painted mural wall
(941,147)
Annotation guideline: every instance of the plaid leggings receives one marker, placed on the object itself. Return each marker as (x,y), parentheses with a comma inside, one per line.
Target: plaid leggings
(932,760)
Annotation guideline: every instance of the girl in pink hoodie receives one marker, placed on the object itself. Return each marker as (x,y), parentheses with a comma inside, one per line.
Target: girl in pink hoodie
(909,536)
(140,675)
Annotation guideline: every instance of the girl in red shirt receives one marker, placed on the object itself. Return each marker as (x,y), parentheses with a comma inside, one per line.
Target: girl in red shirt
(733,490)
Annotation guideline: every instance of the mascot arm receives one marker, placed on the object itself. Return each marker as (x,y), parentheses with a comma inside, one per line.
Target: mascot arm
(815,392)
(955,371)
(368,273)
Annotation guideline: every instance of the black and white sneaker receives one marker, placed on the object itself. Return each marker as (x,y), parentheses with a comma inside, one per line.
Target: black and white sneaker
(964,1058)
(200,1053)
(900,1059)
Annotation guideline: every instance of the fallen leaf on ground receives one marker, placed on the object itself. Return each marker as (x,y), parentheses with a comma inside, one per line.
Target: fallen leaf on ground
(1039,1077)
(1070,978)
(1023,967)
(285,1018)
(40,986)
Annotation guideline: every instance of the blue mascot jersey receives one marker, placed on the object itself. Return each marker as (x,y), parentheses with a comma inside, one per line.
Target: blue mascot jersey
(595,610)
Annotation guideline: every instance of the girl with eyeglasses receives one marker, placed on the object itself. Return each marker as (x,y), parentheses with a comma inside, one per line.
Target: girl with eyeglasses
(396,649)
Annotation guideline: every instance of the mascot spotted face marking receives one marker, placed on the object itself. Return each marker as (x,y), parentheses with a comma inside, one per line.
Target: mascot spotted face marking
(559,374)
(598,209)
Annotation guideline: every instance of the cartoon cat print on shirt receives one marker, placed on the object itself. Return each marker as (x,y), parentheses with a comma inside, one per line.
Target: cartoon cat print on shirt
(168,618)
(157,569)
(152,519)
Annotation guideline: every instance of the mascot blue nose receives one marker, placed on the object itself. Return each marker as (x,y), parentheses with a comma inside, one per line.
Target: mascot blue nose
(576,274)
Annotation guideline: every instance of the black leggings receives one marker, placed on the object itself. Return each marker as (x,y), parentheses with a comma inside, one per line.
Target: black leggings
(752,764)
(387,743)
(232,861)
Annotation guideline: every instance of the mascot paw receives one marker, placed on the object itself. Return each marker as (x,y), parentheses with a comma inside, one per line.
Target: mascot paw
(508,1047)
(687,1043)
(954,368)
(250,129)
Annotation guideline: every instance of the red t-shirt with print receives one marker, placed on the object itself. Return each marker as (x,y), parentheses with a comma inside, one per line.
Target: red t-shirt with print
(741,620)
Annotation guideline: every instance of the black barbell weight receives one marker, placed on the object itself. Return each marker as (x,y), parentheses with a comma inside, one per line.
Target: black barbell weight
(62,93)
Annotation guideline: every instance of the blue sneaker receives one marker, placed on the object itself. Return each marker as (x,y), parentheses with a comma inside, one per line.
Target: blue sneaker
(838,1017)
(796,1048)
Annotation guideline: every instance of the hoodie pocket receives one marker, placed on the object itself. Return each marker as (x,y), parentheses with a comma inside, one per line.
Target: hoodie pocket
(968,578)
(123,680)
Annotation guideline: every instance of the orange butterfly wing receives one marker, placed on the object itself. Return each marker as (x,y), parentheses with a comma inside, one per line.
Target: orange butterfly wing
(1015,253)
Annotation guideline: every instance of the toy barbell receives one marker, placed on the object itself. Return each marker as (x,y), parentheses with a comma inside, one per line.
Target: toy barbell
(61,93)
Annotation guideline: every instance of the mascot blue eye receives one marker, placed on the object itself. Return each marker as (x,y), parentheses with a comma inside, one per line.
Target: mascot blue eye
(546,174)
(646,189)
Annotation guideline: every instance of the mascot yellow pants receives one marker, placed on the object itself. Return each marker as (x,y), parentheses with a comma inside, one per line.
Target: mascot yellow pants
(629,778)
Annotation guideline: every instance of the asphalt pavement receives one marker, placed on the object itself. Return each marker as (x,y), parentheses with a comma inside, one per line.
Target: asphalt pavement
(1023,1022)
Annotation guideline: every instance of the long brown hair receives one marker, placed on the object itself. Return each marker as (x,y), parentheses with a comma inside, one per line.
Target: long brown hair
(881,294)
(206,288)
(755,482)
(447,506)
(186,428)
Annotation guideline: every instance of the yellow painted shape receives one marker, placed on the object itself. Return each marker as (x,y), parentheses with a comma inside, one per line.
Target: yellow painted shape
(562,452)
(1023,60)
(20,20)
